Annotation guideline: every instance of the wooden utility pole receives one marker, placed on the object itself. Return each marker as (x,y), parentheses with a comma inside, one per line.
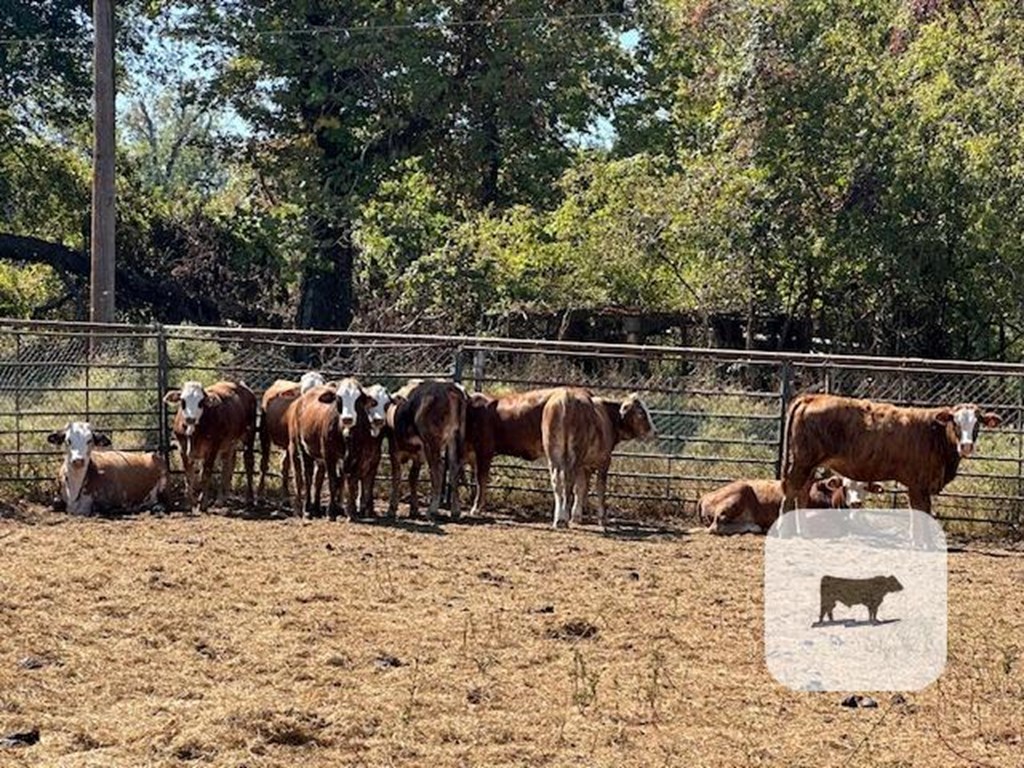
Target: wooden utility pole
(101,290)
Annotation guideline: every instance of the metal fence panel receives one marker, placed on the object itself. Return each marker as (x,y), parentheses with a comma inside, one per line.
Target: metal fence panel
(719,414)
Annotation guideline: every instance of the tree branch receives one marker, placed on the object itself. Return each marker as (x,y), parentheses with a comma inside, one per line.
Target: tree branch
(169,302)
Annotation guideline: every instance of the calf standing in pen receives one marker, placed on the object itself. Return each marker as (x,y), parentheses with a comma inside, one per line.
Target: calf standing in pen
(210,423)
(874,442)
(363,451)
(273,423)
(508,425)
(426,423)
(752,506)
(319,424)
(580,432)
(104,480)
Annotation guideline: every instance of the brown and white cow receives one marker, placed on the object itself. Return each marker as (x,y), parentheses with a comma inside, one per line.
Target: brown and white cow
(506,425)
(273,423)
(105,480)
(319,423)
(579,432)
(426,424)
(873,442)
(210,424)
(363,451)
(752,506)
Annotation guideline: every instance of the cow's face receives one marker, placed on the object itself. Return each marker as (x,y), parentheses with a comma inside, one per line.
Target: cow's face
(966,421)
(349,398)
(378,395)
(892,584)
(636,418)
(854,492)
(849,494)
(78,440)
(192,400)
(309,380)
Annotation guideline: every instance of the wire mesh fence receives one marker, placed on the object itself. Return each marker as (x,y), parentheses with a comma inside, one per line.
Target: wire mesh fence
(719,414)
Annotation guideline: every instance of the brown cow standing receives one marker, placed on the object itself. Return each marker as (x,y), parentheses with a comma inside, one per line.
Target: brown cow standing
(363,451)
(102,480)
(210,423)
(426,423)
(319,423)
(918,447)
(579,433)
(752,506)
(273,423)
(508,425)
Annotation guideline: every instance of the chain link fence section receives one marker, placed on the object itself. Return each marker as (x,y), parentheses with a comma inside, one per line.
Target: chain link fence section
(719,414)
(51,374)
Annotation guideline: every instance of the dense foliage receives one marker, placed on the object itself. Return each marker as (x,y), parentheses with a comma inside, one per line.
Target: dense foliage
(806,173)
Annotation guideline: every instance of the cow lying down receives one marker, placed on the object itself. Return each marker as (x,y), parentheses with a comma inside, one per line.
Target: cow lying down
(105,480)
(751,506)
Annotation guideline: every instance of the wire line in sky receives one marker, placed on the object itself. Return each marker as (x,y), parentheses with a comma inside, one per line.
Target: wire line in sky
(352,29)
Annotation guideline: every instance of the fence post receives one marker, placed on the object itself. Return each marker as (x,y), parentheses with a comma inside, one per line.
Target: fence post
(1020,451)
(446,488)
(457,365)
(479,360)
(785,393)
(162,366)
(18,386)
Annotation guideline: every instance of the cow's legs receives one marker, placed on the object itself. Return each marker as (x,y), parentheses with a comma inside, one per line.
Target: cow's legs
(204,481)
(265,457)
(558,485)
(920,500)
(396,482)
(414,482)
(286,466)
(581,485)
(352,484)
(454,470)
(191,482)
(227,472)
(483,477)
(366,495)
(249,461)
(434,458)
(318,486)
(333,488)
(307,484)
(294,457)
(602,488)
(796,487)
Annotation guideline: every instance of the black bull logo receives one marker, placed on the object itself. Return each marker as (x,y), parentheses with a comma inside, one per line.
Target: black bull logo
(851,592)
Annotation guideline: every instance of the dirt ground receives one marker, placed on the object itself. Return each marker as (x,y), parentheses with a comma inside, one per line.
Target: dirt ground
(171,641)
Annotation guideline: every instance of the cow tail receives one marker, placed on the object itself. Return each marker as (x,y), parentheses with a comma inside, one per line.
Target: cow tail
(787,441)
(264,434)
(460,431)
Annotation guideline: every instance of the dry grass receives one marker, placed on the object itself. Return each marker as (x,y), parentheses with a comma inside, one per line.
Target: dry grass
(221,641)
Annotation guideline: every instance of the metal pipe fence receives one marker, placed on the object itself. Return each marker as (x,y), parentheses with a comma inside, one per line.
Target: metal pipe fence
(719,414)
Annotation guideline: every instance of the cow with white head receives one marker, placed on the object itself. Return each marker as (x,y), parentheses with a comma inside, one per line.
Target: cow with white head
(273,423)
(320,423)
(363,451)
(93,480)
(210,424)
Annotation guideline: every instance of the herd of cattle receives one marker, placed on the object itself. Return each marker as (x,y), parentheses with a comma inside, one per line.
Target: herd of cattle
(336,430)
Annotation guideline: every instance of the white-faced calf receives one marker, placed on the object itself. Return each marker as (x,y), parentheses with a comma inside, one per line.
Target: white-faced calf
(105,480)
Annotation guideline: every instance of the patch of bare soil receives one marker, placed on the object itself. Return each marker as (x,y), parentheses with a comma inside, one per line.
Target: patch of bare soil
(224,641)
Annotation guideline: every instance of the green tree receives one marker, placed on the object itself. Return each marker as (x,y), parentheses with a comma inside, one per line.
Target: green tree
(487,94)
